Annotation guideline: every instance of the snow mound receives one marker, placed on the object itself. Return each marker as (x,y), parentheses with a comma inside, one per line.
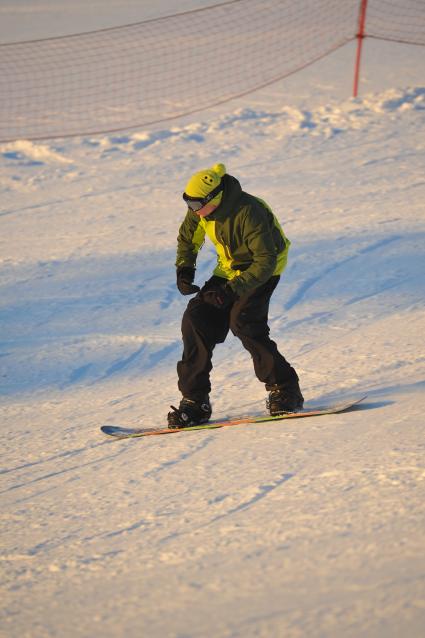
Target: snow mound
(32,153)
(354,113)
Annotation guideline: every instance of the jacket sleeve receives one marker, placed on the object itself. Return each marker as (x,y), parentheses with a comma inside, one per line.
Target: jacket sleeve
(190,240)
(258,238)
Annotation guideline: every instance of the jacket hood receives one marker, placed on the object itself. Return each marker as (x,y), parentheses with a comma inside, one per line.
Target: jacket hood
(231,194)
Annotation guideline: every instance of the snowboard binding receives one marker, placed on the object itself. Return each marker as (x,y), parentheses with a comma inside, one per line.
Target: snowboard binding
(189,413)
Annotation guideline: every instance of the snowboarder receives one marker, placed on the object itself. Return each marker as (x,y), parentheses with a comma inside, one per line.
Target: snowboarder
(251,255)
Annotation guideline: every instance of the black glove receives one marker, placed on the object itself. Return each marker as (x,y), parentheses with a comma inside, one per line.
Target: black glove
(185,277)
(219,296)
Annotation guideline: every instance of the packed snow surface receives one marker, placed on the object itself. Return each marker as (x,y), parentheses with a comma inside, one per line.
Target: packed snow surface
(310,527)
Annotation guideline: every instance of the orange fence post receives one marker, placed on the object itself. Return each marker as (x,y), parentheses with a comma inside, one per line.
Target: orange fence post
(360,37)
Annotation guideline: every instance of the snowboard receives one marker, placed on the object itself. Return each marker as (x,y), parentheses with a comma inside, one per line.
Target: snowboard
(309,410)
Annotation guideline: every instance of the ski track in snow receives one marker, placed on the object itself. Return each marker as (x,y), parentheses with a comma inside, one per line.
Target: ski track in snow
(304,528)
(260,492)
(300,293)
(181,457)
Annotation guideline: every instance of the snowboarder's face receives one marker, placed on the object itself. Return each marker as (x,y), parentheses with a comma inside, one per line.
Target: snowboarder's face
(206,210)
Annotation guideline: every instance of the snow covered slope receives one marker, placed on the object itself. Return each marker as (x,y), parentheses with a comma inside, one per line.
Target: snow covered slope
(301,528)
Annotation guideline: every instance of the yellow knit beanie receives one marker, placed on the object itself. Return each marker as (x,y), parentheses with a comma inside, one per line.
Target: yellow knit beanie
(203,182)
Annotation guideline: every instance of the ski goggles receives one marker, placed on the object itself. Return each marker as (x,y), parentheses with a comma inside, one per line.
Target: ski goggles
(196,203)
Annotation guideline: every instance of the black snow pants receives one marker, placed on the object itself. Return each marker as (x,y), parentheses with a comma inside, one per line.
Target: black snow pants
(204,325)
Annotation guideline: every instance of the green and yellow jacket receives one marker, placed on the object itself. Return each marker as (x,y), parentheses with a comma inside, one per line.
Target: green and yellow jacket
(250,244)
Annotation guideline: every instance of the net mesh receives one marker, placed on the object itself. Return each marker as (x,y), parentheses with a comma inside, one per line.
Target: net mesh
(161,69)
(399,21)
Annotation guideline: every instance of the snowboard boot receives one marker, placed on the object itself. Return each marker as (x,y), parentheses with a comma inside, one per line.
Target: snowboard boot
(189,413)
(284,399)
